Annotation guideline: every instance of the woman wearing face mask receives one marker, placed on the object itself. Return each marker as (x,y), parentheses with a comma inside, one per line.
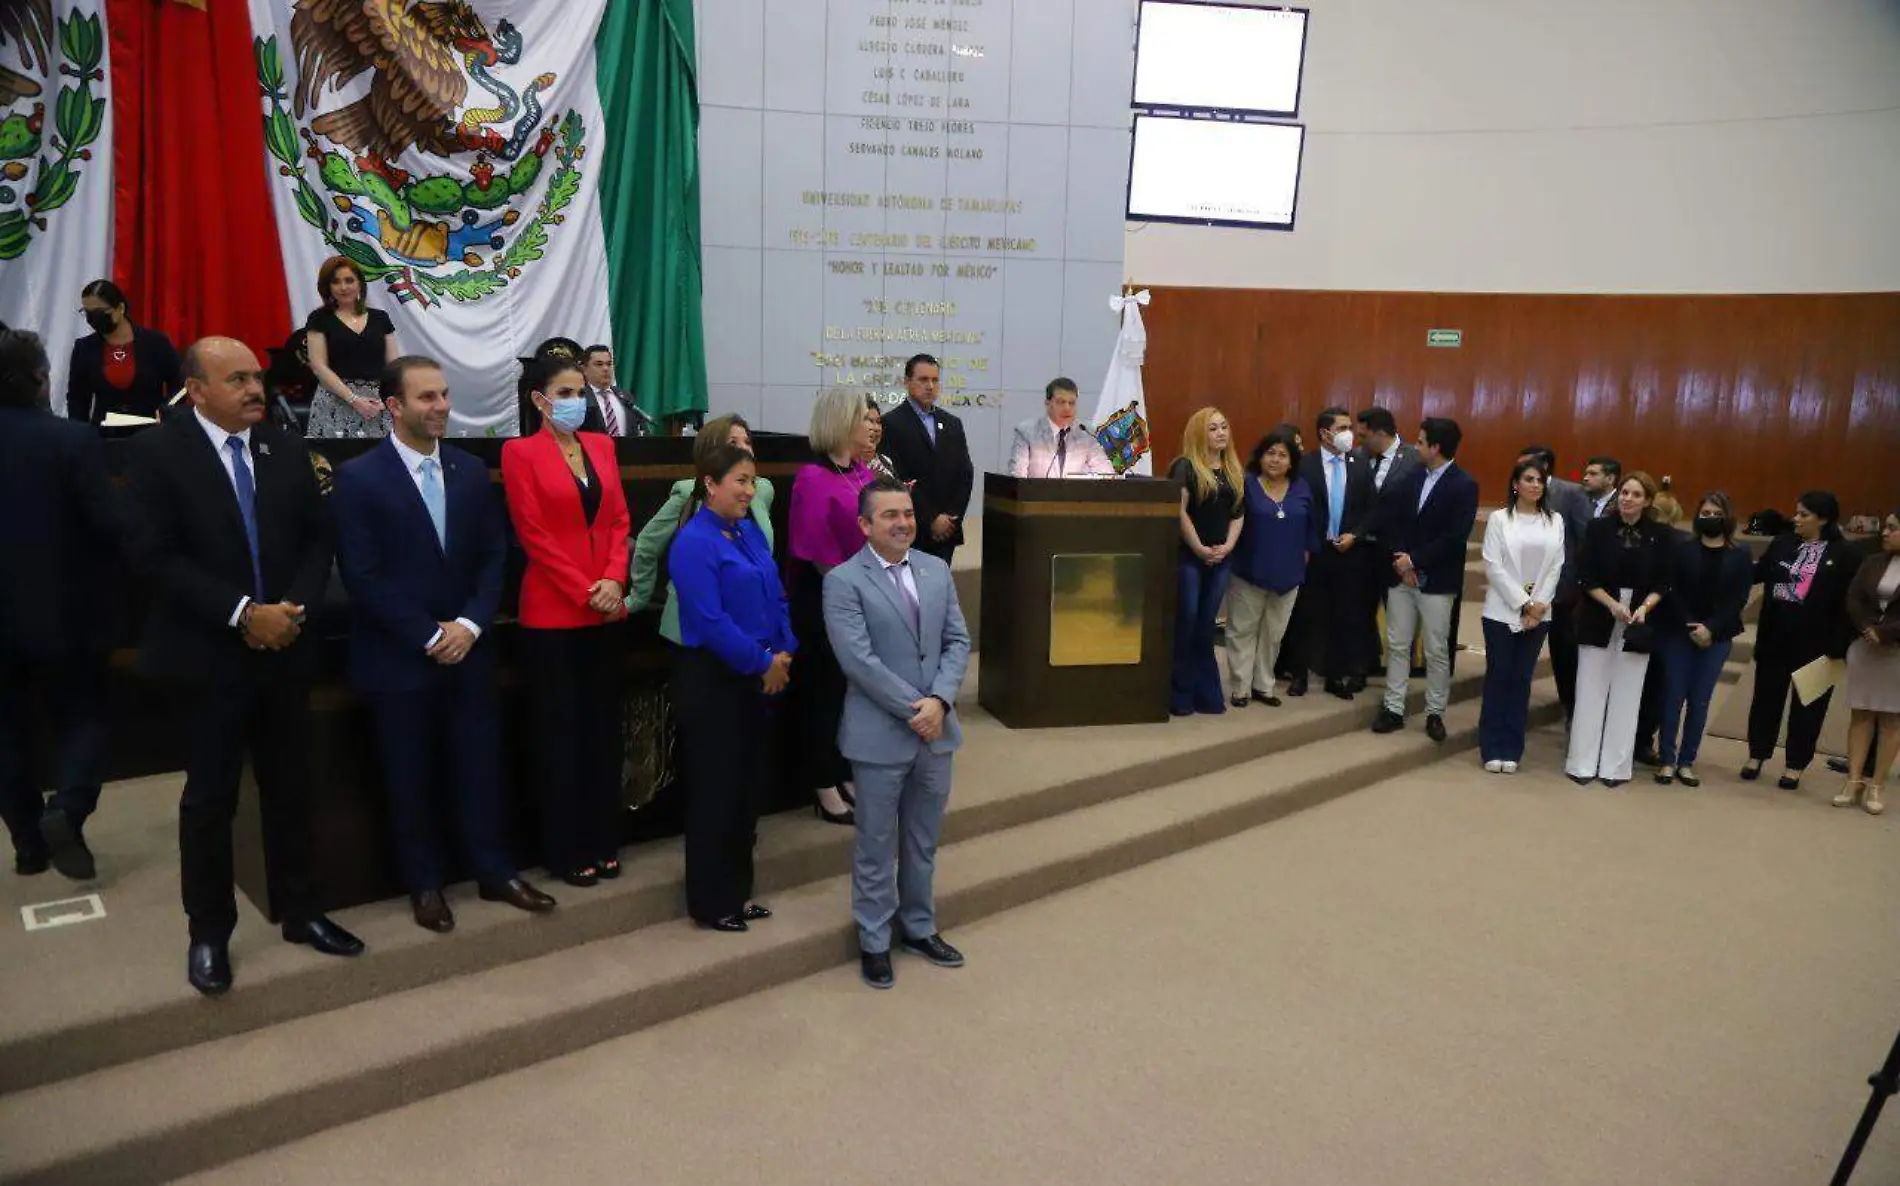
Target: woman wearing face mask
(735,656)
(1803,618)
(1873,669)
(570,514)
(1278,534)
(1697,624)
(1623,569)
(651,548)
(1524,559)
(1212,514)
(879,465)
(349,345)
(119,367)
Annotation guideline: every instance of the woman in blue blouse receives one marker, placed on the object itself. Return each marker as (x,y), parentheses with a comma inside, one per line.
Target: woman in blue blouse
(735,655)
(1269,566)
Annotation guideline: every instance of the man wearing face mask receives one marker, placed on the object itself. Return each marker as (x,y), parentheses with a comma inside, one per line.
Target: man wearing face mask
(1327,633)
(119,367)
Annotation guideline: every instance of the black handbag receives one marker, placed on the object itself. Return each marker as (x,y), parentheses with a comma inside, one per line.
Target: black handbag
(1639,638)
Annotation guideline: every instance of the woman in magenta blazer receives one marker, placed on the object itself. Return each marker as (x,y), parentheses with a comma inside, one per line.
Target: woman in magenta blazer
(570,514)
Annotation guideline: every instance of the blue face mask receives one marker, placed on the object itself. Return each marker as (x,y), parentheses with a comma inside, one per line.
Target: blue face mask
(569,414)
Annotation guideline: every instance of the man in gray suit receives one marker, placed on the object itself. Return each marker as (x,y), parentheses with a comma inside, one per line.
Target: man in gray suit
(1056,444)
(892,615)
(1571,503)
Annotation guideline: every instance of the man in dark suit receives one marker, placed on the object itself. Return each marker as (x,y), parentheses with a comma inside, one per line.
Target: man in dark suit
(229,532)
(421,544)
(1326,634)
(609,411)
(1388,463)
(57,540)
(1428,525)
(930,450)
(1570,503)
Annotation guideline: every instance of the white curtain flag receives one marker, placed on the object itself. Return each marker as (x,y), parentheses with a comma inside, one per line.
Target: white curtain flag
(479,230)
(1121,414)
(55,171)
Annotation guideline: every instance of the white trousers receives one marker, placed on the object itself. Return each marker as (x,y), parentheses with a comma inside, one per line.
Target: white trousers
(1256,625)
(1609,699)
(1408,609)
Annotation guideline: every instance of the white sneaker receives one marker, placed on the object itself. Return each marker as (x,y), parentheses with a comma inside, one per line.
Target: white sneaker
(1509,767)
(1493,767)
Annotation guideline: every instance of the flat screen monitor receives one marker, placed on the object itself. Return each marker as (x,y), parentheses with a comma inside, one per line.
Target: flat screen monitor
(1220,57)
(1214,172)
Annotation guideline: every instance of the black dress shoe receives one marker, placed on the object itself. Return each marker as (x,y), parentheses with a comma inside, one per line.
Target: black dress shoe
(208,967)
(28,862)
(1339,688)
(1751,771)
(731,924)
(1356,684)
(1296,687)
(875,968)
(609,869)
(1614,783)
(1579,779)
(1435,728)
(432,911)
(324,935)
(519,894)
(754,912)
(70,854)
(584,878)
(1387,722)
(1239,701)
(934,949)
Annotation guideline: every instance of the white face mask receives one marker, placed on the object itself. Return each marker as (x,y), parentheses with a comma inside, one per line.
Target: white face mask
(1342,440)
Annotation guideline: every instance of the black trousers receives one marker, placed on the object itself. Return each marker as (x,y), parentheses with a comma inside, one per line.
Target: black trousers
(574,712)
(1371,577)
(1563,654)
(73,690)
(263,715)
(1326,634)
(816,696)
(725,740)
(1774,685)
(441,755)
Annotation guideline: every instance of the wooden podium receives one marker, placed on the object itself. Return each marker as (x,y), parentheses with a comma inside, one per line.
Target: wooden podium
(1078,600)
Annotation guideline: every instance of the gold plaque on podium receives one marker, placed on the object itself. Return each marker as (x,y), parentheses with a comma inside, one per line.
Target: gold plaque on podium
(1095,605)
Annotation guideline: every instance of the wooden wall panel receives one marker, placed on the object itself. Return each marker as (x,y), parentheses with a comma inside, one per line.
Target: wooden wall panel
(1764,396)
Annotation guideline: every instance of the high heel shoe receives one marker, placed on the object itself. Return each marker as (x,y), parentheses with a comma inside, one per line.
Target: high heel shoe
(1870,802)
(583,877)
(1790,780)
(609,869)
(1851,793)
(1751,770)
(846,817)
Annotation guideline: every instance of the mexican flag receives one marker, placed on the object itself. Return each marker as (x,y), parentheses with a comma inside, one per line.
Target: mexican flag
(500,171)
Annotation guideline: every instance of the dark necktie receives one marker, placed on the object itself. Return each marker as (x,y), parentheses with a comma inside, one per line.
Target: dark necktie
(904,595)
(1062,454)
(607,413)
(1377,461)
(247,509)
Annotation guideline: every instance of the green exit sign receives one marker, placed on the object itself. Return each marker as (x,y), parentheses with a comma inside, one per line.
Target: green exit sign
(1449,339)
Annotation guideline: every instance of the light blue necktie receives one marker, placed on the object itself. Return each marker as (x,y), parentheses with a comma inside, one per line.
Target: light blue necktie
(247,509)
(1334,495)
(433,499)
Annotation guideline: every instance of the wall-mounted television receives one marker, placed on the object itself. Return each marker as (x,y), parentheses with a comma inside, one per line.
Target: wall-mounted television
(1191,55)
(1214,172)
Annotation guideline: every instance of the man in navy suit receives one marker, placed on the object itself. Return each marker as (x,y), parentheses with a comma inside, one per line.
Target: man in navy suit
(1327,633)
(56,544)
(1429,524)
(421,544)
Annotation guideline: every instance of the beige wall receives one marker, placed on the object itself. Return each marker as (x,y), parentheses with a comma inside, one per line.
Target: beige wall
(1618,146)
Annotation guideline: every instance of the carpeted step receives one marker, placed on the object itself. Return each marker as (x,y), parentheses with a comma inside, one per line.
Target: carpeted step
(193,1109)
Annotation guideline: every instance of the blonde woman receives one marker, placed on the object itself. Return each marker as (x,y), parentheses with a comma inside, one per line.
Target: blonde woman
(1212,513)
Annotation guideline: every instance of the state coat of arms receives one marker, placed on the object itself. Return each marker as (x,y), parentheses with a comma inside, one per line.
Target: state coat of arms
(455,228)
(1124,437)
(51,112)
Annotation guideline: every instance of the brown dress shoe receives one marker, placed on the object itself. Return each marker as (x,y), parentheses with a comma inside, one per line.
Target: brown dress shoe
(519,894)
(432,912)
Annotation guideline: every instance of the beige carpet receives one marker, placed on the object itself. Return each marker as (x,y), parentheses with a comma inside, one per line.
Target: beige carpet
(1453,979)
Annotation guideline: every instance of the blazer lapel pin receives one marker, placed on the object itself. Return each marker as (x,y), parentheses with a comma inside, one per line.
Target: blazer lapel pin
(263,449)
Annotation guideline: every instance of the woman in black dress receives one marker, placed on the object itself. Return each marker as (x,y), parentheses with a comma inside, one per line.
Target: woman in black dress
(349,345)
(119,367)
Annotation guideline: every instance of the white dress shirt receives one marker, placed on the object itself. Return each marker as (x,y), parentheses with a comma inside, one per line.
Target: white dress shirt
(1602,504)
(412,461)
(219,439)
(1385,464)
(1431,480)
(905,575)
(609,406)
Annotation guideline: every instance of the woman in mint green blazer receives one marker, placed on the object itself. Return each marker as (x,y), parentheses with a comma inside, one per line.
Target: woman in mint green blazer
(651,544)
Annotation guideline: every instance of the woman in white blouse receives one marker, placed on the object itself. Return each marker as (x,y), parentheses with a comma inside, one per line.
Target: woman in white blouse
(1523,557)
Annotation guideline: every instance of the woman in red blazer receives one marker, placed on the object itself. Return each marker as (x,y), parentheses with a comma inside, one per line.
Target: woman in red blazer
(570,514)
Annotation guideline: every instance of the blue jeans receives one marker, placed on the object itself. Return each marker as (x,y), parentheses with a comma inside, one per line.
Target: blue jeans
(1690,674)
(1510,660)
(1196,680)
